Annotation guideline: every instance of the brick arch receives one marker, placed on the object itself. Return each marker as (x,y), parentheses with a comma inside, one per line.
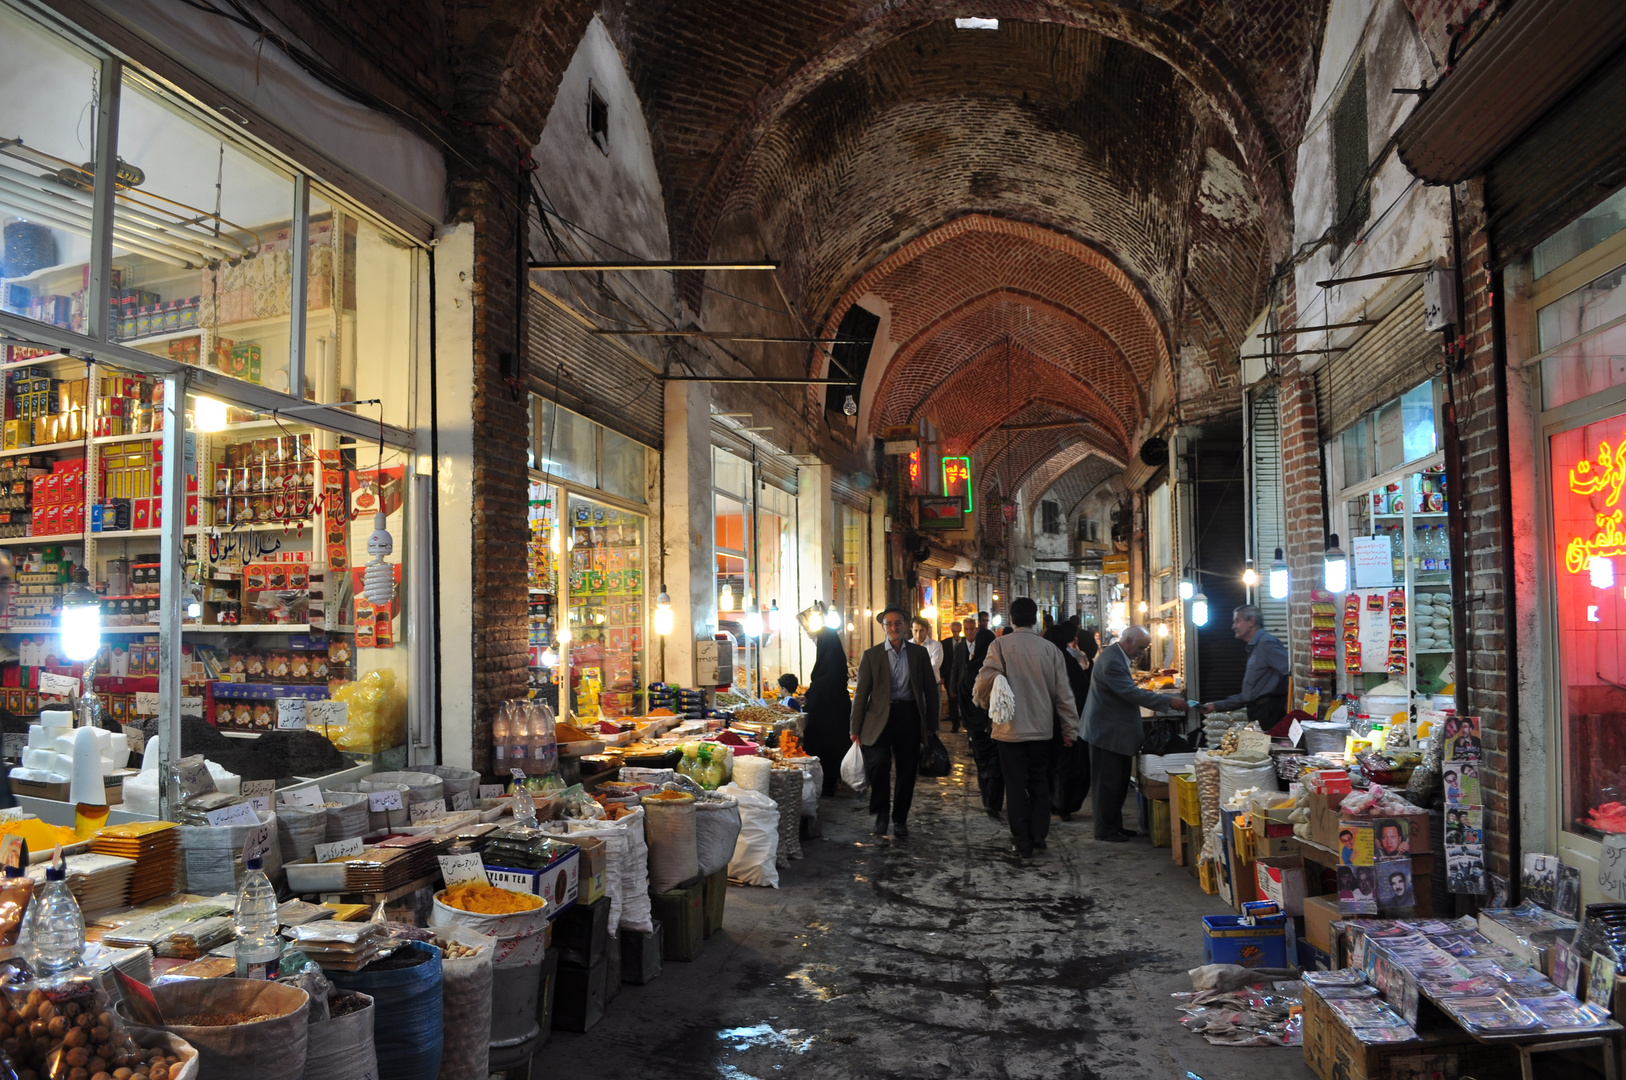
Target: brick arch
(1070,486)
(1008,460)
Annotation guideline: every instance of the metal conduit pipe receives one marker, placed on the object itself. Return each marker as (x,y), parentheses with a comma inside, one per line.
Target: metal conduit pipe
(47,215)
(133,218)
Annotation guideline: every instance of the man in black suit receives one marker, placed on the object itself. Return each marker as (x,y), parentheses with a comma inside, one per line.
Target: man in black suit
(956,658)
(895,699)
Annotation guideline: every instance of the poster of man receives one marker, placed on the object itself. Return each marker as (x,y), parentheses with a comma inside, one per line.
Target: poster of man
(1393,838)
(1395,896)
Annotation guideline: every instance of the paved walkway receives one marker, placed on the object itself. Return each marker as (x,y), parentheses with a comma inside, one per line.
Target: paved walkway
(936,956)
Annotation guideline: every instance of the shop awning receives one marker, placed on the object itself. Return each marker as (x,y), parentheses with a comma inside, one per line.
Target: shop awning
(1527,62)
(939,559)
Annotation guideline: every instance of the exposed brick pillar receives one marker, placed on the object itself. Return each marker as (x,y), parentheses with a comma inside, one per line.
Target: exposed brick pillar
(1482,689)
(498,498)
(1303,504)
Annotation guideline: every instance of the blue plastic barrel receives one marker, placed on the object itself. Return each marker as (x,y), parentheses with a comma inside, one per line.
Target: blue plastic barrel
(406,1015)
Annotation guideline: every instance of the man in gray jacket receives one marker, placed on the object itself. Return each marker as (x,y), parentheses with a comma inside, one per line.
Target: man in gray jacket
(1037,673)
(1112,726)
(893,705)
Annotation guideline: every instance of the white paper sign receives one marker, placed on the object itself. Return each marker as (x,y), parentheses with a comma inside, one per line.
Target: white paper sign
(463,870)
(257,843)
(325,713)
(146,703)
(15,743)
(491,791)
(235,814)
(51,683)
(135,738)
(290,714)
(1295,732)
(1373,561)
(192,706)
(380,801)
(307,795)
(194,778)
(340,849)
(428,810)
(259,792)
(461,801)
(1612,866)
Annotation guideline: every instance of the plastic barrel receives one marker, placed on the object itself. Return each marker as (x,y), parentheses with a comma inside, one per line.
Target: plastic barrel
(406,1018)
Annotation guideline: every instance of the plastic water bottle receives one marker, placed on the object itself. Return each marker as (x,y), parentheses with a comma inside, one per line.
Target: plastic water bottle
(499,740)
(544,741)
(259,949)
(519,736)
(56,928)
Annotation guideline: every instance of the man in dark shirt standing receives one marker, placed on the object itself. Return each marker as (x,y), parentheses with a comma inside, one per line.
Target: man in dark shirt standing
(956,656)
(1264,683)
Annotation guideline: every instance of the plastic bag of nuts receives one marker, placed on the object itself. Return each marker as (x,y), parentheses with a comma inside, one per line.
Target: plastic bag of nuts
(68,1032)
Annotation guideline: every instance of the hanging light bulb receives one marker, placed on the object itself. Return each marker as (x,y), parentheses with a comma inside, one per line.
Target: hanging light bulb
(1199,610)
(1279,577)
(926,613)
(208,415)
(753,623)
(663,613)
(1335,566)
(81,636)
(832,619)
(849,628)
(1162,629)
(550,658)
(773,617)
(868,614)
(996,620)
(378,579)
(564,635)
(725,599)
(1187,589)
(1142,607)
(850,406)
(1250,576)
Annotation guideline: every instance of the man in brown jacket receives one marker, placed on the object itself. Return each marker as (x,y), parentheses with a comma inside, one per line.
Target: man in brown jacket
(895,699)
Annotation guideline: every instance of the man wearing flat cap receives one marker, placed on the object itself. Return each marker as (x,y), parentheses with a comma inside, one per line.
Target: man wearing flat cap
(895,700)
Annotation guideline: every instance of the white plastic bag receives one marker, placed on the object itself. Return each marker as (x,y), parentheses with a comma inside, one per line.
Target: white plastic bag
(758,845)
(852,770)
(1001,701)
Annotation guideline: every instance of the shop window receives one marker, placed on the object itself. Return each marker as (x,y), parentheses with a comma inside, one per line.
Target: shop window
(545,546)
(202,246)
(623,473)
(1351,159)
(1579,236)
(1159,527)
(568,445)
(1589,573)
(48,96)
(358,321)
(606,609)
(598,119)
(1050,516)
(1587,354)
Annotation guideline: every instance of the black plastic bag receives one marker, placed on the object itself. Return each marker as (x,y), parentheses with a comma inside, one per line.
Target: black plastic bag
(934,759)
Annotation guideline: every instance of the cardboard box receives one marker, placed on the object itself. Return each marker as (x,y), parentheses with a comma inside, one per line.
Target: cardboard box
(1320,912)
(1324,818)
(593,876)
(1333,1053)
(1281,880)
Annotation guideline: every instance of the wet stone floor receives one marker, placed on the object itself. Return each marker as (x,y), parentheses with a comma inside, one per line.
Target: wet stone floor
(937,956)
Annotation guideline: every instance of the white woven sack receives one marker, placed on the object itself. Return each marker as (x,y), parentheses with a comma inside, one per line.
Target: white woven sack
(758,845)
(716,830)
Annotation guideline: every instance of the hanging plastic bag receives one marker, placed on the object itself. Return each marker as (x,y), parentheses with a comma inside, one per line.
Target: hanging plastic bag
(934,760)
(852,770)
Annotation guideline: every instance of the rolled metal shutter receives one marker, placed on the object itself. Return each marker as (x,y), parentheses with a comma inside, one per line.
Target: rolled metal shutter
(592,375)
(1384,363)
(1269,525)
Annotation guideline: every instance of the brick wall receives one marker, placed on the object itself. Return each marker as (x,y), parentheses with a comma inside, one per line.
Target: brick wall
(1303,502)
(1482,689)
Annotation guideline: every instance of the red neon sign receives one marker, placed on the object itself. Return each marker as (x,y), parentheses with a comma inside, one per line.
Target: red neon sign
(957,478)
(914,468)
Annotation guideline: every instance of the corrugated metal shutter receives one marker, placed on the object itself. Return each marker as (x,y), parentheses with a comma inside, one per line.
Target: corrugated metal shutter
(1569,161)
(771,468)
(1384,363)
(588,374)
(1269,531)
(844,491)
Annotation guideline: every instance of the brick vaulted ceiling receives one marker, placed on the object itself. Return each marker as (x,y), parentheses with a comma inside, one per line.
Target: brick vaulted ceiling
(1072,217)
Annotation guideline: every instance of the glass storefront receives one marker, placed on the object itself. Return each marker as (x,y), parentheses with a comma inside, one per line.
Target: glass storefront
(756,570)
(606,605)
(1395,621)
(849,577)
(295,528)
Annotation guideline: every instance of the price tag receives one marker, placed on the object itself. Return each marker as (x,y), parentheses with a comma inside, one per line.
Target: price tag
(258,843)
(192,706)
(259,792)
(427,811)
(341,849)
(461,801)
(463,870)
(380,801)
(135,738)
(13,851)
(51,683)
(306,795)
(1251,742)
(139,1000)
(291,714)
(235,814)
(491,791)
(1295,732)
(146,703)
(194,777)
(325,713)
(1612,866)
(15,743)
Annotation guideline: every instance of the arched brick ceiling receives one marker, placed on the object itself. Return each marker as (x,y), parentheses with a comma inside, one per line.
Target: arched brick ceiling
(715,80)
(1069,487)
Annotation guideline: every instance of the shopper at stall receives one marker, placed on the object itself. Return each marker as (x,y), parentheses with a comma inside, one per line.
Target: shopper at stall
(1037,673)
(895,700)
(827,706)
(990,784)
(788,683)
(1112,726)
(1264,681)
(956,656)
(1069,765)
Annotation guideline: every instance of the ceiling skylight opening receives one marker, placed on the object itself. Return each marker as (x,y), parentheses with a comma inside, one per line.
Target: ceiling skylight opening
(976,24)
